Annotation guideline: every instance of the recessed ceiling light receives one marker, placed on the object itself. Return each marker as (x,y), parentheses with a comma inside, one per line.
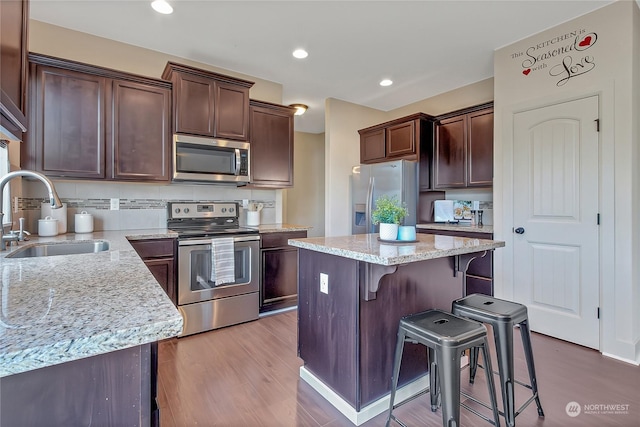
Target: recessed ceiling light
(386,82)
(161,6)
(300,53)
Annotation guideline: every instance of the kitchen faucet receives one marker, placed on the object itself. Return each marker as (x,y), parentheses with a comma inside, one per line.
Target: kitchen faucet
(53,196)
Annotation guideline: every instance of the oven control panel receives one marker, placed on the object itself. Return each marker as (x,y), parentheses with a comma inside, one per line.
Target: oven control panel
(203,210)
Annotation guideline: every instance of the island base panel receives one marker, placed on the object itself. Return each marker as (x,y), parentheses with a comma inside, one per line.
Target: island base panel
(109,389)
(348,343)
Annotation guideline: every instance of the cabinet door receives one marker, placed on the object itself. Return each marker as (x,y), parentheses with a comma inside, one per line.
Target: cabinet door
(372,146)
(480,148)
(139,132)
(70,123)
(401,139)
(163,270)
(271,147)
(194,104)
(450,153)
(280,275)
(13,49)
(231,111)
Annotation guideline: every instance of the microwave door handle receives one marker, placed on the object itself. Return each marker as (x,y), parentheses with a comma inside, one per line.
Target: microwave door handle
(237,171)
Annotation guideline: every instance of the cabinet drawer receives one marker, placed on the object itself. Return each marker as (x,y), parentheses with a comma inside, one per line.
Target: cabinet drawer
(277,240)
(154,248)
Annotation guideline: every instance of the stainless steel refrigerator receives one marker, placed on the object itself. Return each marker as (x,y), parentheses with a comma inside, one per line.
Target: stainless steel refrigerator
(398,178)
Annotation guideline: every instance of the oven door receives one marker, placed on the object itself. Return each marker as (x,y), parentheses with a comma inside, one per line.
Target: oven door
(194,270)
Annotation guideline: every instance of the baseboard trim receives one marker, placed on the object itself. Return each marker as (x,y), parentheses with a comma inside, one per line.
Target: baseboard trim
(365,414)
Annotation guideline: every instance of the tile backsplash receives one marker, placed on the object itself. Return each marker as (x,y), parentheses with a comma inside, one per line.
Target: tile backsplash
(140,206)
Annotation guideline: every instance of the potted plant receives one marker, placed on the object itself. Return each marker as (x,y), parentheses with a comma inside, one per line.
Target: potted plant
(389,212)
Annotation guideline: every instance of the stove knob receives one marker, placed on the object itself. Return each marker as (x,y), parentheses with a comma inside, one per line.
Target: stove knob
(186,210)
(231,210)
(224,210)
(177,210)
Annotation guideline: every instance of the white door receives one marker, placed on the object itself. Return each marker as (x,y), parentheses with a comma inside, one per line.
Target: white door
(555,213)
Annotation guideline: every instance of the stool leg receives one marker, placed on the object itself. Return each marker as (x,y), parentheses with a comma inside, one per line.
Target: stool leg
(503,337)
(473,364)
(434,384)
(449,375)
(528,354)
(396,371)
(490,383)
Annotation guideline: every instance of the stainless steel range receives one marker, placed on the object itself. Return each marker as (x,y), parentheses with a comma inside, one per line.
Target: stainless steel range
(218,265)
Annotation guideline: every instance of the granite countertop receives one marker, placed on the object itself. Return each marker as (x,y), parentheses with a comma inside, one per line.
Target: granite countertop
(280,228)
(367,247)
(58,309)
(456,227)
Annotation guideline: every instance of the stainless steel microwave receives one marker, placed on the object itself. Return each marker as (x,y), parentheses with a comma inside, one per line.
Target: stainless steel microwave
(210,160)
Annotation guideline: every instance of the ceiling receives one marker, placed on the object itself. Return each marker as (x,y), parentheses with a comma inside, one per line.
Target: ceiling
(425,47)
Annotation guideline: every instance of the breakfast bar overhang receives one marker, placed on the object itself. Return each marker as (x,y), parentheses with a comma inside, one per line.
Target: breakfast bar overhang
(347,329)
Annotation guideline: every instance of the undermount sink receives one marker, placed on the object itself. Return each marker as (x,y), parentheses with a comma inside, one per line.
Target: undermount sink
(63,248)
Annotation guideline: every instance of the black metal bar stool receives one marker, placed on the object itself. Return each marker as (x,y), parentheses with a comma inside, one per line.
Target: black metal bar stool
(502,316)
(446,336)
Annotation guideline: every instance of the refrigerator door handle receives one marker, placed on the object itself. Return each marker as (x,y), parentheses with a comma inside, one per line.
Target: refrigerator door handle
(369,204)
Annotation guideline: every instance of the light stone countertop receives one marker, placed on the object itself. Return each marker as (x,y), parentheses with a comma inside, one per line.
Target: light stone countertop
(455,227)
(367,247)
(280,228)
(58,309)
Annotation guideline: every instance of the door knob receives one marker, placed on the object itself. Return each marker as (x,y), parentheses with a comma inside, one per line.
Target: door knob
(519,230)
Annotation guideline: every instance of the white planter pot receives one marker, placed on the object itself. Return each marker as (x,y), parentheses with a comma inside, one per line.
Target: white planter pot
(388,231)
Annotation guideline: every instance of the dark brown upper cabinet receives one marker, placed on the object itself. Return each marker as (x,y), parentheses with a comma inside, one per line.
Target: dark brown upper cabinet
(463,153)
(271,138)
(208,104)
(140,132)
(94,123)
(372,146)
(14,20)
(409,138)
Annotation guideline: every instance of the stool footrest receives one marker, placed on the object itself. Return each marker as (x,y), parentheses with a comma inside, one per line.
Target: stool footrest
(415,396)
(515,381)
(481,415)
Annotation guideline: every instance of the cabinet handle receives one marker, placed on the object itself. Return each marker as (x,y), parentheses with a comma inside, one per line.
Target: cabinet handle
(519,230)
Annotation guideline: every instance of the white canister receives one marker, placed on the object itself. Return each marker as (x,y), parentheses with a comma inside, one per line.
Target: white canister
(253,218)
(47,227)
(83,222)
(59,214)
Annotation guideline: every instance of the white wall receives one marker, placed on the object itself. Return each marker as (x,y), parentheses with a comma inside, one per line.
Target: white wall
(615,25)
(69,44)
(342,152)
(305,201)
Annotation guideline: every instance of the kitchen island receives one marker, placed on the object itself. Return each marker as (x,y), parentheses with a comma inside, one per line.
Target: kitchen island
(352,292)
(78,334)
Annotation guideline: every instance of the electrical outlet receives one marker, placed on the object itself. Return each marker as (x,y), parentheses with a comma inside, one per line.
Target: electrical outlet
(324,283)
(245,203)
(115,204)
(15,204)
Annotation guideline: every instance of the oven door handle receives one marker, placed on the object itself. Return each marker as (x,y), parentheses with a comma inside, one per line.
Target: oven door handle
(236,239)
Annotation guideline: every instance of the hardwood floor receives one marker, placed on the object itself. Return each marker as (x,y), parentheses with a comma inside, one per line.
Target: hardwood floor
(247,375)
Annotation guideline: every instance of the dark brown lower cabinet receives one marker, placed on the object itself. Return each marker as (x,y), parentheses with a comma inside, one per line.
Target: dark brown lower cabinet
(479,277)
(112,389)
(279,278)
(159,257)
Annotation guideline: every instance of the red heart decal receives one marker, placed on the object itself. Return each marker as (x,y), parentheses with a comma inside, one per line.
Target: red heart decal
(585,42)
(527,71)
